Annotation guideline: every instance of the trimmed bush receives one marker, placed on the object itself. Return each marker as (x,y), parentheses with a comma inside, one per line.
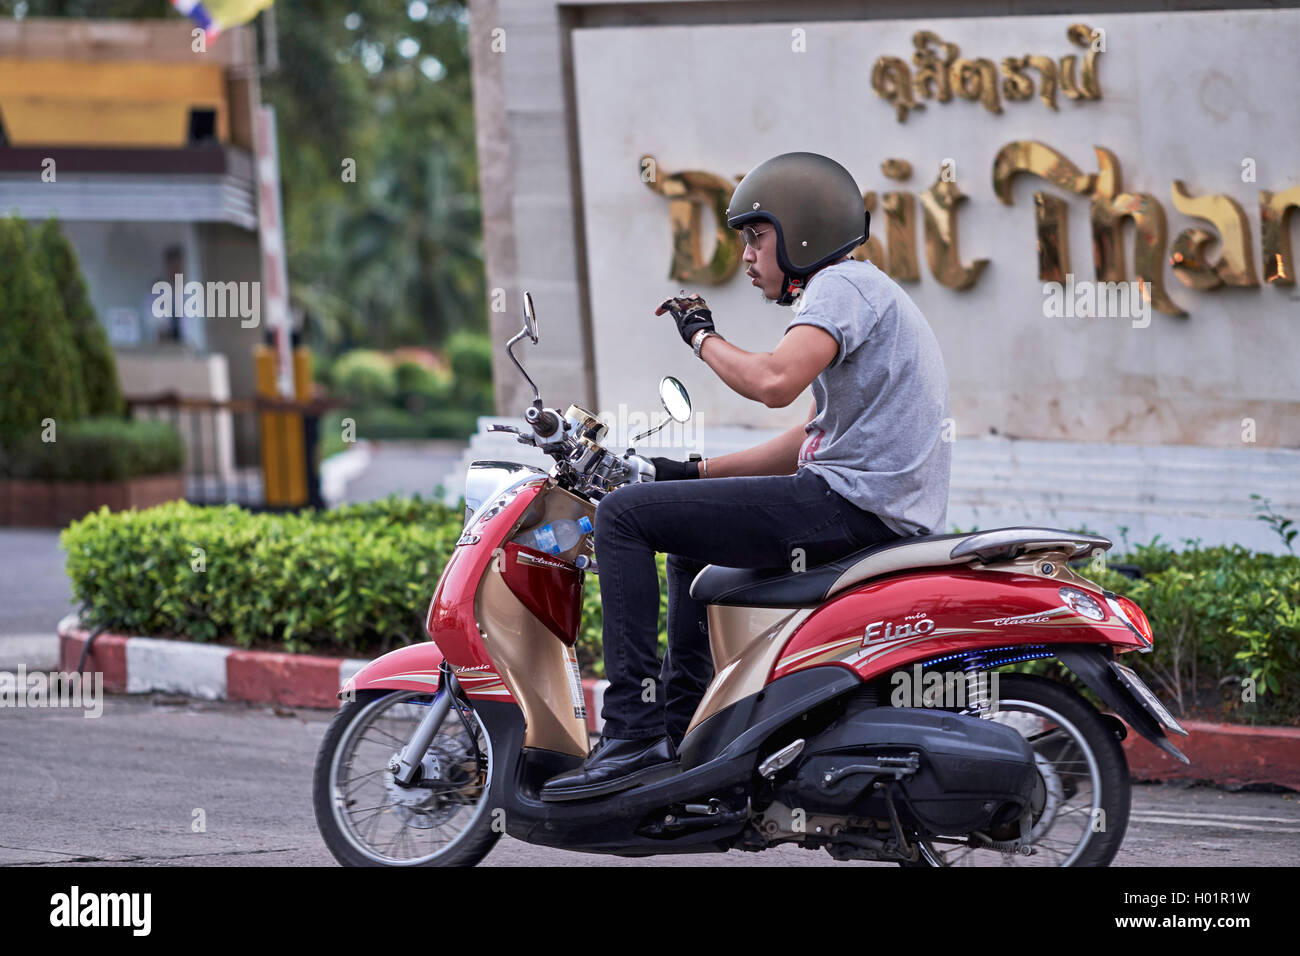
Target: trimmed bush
(355,580)
(420,389)
(365,377)
(381,422)
(352,580)
(98,368)
(470,357)
(451,422)
(39,364)
(98,449)
(406,399)
(1221,616)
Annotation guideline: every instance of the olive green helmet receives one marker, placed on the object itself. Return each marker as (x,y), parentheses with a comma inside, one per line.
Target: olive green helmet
(815,206)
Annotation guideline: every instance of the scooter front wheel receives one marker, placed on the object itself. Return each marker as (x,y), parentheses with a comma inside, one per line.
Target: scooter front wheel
(367,818)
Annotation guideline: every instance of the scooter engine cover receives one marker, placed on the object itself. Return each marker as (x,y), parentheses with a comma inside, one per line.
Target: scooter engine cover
(973,774)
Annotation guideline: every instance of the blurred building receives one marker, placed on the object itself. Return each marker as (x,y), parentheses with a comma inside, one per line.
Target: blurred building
(142,147)
(1005,150)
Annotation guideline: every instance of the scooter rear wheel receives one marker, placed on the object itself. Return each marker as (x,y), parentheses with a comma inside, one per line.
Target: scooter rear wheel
(367,819)
(1081,806)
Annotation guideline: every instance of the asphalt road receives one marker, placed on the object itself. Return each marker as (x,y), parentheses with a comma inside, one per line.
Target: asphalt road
(122,789)
(34,591)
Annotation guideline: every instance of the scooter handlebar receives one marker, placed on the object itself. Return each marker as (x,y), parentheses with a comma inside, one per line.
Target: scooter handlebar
(544,421)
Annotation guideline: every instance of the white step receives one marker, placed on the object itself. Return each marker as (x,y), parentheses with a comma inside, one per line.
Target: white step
(1176,491)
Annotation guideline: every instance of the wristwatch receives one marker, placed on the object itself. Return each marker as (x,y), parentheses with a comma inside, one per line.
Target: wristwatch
(697,341)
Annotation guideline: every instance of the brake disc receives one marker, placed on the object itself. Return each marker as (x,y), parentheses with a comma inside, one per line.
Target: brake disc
(437,794)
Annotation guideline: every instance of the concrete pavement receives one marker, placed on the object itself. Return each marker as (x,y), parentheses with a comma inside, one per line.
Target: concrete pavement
(127,788)
(406,468)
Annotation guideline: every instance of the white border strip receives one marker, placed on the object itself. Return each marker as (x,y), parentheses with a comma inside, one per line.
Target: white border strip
(196,670)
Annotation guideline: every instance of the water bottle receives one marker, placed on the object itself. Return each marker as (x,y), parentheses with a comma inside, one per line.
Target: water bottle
(559,536)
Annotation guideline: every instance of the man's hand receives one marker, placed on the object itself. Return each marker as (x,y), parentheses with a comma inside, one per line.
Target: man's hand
(666,469)
(690,312)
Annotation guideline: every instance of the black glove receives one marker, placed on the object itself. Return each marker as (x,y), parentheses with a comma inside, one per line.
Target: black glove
(690,312)
(666,469)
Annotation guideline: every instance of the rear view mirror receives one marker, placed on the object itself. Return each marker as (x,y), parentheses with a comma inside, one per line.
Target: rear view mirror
(530,317)
(676,401)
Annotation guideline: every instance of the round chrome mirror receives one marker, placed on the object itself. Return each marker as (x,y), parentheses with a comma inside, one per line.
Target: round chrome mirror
(530,317)
(673,394)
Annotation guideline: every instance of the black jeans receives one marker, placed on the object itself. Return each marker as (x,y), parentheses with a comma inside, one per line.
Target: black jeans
(736,522)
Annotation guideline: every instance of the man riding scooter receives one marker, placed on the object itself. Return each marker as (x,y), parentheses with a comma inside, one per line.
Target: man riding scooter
(868,465)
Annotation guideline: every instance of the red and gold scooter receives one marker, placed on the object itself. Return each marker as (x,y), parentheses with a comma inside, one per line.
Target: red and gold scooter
(860,706)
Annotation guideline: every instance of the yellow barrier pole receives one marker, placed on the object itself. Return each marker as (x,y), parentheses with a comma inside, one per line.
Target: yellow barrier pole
(295,442)
(303,387)
(272,428)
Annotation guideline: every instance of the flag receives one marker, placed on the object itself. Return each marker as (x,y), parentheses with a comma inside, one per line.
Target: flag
(217,15)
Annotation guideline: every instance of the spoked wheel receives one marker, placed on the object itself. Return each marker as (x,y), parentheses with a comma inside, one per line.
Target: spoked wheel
(368,819)
(1080,807)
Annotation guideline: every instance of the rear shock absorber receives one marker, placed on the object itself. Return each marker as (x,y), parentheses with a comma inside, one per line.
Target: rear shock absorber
(977,685)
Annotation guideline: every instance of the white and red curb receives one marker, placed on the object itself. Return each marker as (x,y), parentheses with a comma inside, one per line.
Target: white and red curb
(1223,753)
(141,665)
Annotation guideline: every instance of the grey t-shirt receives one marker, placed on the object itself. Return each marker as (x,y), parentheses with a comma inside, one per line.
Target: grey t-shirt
(878,436)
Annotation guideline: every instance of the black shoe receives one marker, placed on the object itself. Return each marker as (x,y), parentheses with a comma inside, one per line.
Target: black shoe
(615,764)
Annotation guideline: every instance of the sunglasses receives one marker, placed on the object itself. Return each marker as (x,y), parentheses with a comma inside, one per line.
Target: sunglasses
(750,235)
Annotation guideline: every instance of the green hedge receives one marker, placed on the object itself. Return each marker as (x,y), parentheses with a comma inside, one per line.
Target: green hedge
(357,579)
(391,423)
(1220,615)
(365,376)
(420,388)
(470,356)
(97,449)
(354,580)
(397,398)
(378,424)
(351,580)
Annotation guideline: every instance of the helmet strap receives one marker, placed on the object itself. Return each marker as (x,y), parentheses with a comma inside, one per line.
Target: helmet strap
(793,286)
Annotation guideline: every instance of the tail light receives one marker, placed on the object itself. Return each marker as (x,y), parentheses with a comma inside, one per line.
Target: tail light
(1137,618)
(1128,612)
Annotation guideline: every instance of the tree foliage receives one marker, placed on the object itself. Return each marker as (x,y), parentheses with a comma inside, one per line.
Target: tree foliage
(381,90)
(393,257)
